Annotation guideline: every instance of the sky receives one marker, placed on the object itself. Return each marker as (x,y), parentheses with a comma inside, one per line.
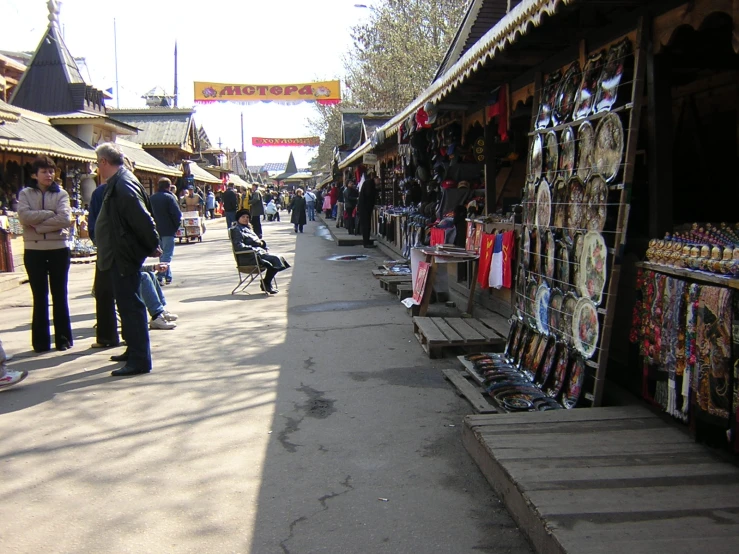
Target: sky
(223,41)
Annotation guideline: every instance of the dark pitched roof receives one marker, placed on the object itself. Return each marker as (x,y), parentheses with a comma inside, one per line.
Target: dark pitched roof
(351,128)
(146,162)
(158,126)
(371,124)
(272,166)
(254,169)
(481,16)
(291,166)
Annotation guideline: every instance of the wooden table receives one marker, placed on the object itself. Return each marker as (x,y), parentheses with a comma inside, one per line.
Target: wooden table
(448,256)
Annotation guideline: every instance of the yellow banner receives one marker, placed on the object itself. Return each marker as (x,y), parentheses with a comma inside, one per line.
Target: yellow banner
(323,92)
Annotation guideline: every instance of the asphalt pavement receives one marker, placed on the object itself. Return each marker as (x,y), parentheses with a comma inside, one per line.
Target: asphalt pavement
(306,422)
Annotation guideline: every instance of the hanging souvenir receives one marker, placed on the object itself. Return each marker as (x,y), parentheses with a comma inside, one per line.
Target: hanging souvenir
(585,150)
(547,99)
(568,311)
(520,330)
(536,253)
(529,204)
(527,360)
(577,243)
(520,289)
(562,266)
(575,208)
(609,147)
(541,307)
(573,387)
(596,199)
(547,364)
(526,248)
(549,255)
(521,347)
(511,336)
(539,357)
(585,97)
(543,206)
(536,158)
(555,312)
(567,154)
(610,78)
(531,289)
(566,93)
(559,372)
(551,157)
(559,204)
(585,327)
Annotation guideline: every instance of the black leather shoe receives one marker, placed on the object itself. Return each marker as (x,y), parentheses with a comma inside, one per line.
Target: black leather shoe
(120,357)
(127,371)
(64,346)
(270,290)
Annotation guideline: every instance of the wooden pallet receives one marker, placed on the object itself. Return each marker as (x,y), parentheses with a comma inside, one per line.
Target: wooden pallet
(404,291)
(471,392)
(437,333)
(390,284)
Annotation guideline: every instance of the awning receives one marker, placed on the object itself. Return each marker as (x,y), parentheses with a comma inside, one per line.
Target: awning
(146,162)
(200,174)
(238,181)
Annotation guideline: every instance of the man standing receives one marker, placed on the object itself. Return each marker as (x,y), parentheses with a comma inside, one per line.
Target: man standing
(230,205)
(126,234)
(365,207)
(210,205)
(256,209)
(340,206)
(168,217)
(350,204)
(310,203)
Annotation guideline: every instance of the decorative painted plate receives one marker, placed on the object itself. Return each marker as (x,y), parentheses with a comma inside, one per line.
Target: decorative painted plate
(585,150)
(585,327)
(585,97)
(520,290)
(548,98)
(559,204)
(511,336)
(536,158)
(547,364)
(555,311)
(531,288)
(520,328)
(517,399)
(527,360)
(568,310)
(521,348)
(559,374)
(541,306)
(546,404)
(564,104)
(526,248)
(573,387)
(596,200)
(551,156)
(529,203)
(549,255)
(593,267)
(575,208)
(539,356)
(562,266)
(567,153)
(609,147)
(536,253)
(616,61)
(543,207)
(577,243)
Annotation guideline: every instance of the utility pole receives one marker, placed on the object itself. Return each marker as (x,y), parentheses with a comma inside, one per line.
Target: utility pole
(175,74)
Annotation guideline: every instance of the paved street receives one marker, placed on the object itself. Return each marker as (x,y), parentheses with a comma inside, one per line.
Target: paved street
(306,422)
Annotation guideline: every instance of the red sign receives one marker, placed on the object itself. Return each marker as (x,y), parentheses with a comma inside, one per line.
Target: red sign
(305,141)
(421,277)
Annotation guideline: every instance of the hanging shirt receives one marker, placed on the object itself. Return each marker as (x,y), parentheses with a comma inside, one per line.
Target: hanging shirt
(509,239)
(486,258)
(496,266)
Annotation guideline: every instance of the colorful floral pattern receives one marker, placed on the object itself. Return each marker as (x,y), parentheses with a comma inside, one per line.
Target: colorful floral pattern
(585,327)
(592,271)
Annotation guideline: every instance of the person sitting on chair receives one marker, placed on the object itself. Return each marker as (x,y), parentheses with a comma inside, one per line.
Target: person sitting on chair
(244,238)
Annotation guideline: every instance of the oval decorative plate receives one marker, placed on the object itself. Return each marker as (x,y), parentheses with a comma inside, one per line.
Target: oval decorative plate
(564,104)
(575,207)
(527,360)
(596,199)
(529,203)
(593,267)
(609,147)
(562,267)
(526,248)
(546,404)
(576,254)
(559,374)
(531,289)
(536,253)
(551,156)
(548,98)
(559,204)
(511,336)
(610,78)
(520,328)
(568,310)
(585,97)
(521,348)
(543,206)
(555,311)
(541,306)
(585,150)
(585,327)
(567,154)
(546,366)
(520,290)
(549,255)
(536,158)
(573,387)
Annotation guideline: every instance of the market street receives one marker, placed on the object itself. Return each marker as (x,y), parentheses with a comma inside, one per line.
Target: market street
(310,421)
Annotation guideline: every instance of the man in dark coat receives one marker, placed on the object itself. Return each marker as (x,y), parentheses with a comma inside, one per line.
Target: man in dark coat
(167,216)
(230,205)
(298,206)
(351,195)
(126,235)
(365,207)
(256,209)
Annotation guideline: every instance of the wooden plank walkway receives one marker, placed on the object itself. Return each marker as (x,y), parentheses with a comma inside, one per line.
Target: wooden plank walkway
(437,333)
(469,391)
(607,480)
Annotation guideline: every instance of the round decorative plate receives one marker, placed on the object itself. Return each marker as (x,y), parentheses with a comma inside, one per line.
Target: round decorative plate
(559,204)
(610,78)
(521,348)
(559,374)
(539,355)
(549,255)
(529,204)
(543,206)
(520,328)
(567,153)
(531,288)
(585,149)
(547,364)
(566,93)
(551,156)
(562,266)
(576,254)
(536,252)
(548,98)
(568,310)
(525,248)
(593,267)
(555,311)
(536,158)
(546,404)
(585,97)
(575,208)
(573,387)
(527,359)
(515,401)
(596,199)
(609,146)
(585,327)
(520,290)
(511,336)
(541,306)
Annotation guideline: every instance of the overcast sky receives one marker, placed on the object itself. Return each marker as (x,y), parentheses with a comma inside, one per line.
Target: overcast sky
(228,41)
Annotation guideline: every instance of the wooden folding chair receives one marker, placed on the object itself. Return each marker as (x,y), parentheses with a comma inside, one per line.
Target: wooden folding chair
(249,270)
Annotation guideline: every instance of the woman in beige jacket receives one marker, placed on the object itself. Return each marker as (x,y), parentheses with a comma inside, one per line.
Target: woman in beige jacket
(44,212)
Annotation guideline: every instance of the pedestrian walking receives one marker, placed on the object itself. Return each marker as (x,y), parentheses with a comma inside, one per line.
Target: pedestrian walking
(340,206)
(351,196)
(310,203)
(256,209)
(230,205)
(167,216)
(334,196)
(126,235)
(210,205)
(326,206)
(46,216)
(298,207)
(365,207)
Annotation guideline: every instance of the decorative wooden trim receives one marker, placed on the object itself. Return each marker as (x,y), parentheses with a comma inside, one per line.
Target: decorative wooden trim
(693,14)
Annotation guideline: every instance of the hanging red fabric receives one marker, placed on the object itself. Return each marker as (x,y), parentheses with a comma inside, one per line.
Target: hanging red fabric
(500,109)
(486,258)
